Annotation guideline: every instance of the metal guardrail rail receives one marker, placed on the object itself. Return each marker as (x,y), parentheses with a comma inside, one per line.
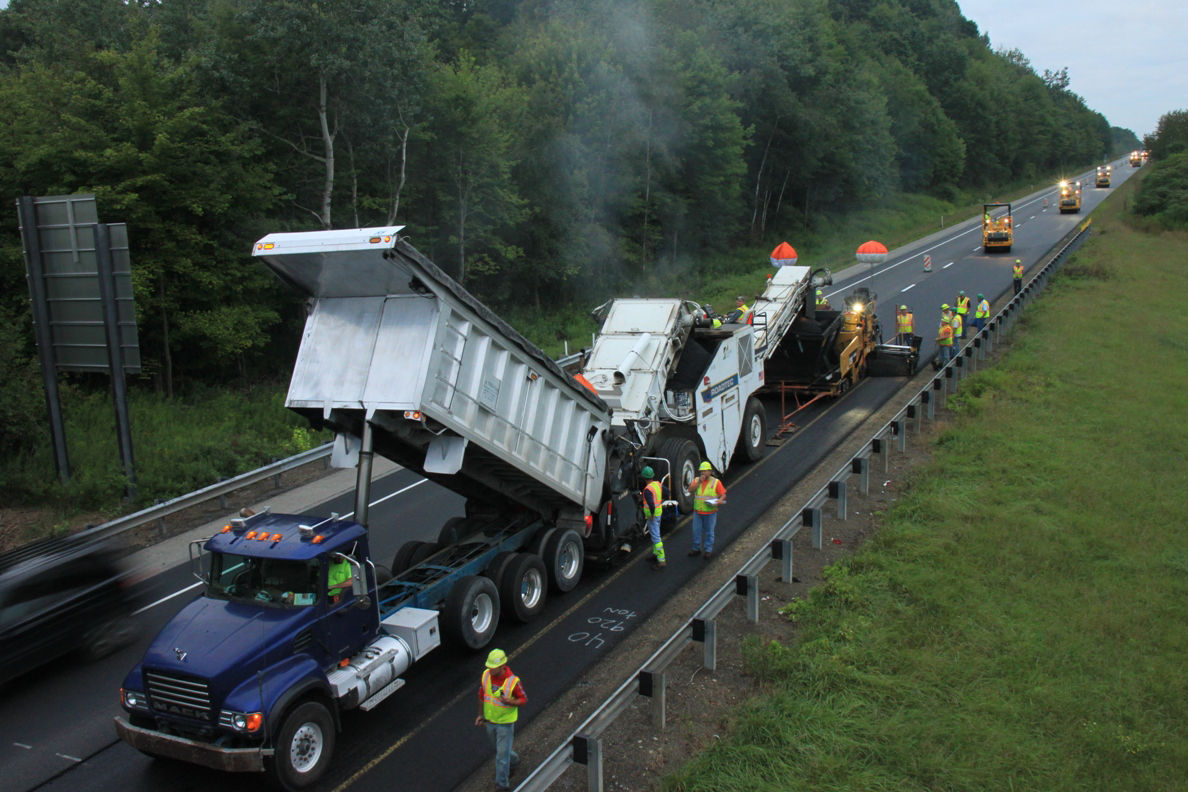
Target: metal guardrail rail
(584,745)
(220,490)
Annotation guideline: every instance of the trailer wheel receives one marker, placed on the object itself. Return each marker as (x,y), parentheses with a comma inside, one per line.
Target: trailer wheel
(471,611)
(304,745)
(499,563)
(564,556)
(523,587)
(682,461)
(753,436)
(410,554)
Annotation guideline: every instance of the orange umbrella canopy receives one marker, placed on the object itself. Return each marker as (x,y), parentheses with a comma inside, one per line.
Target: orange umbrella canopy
(784,255)
(872,252)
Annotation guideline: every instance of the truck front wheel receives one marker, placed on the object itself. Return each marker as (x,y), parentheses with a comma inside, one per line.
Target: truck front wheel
(304,746)
(753,436)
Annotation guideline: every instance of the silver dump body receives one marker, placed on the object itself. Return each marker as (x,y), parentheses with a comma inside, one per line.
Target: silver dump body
(450,390)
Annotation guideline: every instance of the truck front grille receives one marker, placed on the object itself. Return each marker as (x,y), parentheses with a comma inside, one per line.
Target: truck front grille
(189,698)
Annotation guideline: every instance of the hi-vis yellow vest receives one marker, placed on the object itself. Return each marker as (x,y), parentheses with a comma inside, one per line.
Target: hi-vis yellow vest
(702,495)
(495,710)
(962,305)
(905,323)
(1017,271)
(657,500)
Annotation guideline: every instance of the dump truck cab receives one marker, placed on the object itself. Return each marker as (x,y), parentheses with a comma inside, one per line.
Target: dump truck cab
(998,228)
(1103,176)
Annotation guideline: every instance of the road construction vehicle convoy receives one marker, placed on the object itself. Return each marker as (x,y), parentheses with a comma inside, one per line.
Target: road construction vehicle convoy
(1137,158)
(297,623)
(1070,197)
(1103,176)
(998,228)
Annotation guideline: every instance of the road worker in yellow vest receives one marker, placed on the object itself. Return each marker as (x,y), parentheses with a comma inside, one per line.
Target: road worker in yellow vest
(1017,276)
(500,697)
(708,494)
(652,498)
(944,339)
(958,323)
(962,311)
(981,313)
(823,301)
(905,325)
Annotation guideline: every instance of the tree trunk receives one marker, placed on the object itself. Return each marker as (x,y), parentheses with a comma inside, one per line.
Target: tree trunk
(328,148)
(166,356)
(399,187)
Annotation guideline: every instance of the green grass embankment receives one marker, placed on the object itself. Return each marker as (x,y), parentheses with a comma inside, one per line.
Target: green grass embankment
(1018,621)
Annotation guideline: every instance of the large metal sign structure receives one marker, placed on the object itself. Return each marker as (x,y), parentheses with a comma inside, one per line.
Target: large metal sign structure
(80,283)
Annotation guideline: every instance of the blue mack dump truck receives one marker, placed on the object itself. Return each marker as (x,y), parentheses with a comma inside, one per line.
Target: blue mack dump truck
(297,623)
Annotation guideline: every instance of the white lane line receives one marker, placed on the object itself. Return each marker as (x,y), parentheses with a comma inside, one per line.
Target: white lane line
(68,757)
(22,745)
(901,291)
(166,598)
(979,247)
(192,586)
(1031,218)
(947,265)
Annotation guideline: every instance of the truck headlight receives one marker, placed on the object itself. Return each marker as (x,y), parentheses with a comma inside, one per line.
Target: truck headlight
(246,722)
(133,699)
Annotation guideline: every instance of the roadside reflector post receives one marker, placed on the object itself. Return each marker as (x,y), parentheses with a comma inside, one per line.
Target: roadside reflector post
(837,491)
(781,550)
(587,751)
(748,586)
(705,632)
(651,685)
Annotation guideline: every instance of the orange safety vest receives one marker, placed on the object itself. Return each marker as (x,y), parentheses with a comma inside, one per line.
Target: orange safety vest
(946,335)
(962,305)
(657,500)
(494,710)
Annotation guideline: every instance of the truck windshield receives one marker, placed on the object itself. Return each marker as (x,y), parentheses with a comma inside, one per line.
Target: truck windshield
(273,581)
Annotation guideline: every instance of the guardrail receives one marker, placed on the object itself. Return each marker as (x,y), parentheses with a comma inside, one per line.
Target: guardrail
(584,745)
(220,490)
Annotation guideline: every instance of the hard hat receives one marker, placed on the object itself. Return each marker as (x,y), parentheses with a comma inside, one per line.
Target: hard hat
(739,298)
(705,466)
(497,658)
(961,293)
(903,307)
(647,472)
(980,297)
(944,306)
(1017,261)
(819,292)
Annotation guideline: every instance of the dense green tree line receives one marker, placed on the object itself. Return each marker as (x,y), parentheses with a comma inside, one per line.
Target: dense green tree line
(1163,194)
(542,150)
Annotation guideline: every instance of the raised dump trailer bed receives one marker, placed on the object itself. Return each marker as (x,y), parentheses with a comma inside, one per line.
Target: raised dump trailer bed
(395,347)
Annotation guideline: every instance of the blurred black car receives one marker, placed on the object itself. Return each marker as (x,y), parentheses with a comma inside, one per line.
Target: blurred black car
(61,596)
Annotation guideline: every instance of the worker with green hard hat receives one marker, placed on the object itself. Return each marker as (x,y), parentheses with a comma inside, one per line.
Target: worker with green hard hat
(652,501)
(708,494)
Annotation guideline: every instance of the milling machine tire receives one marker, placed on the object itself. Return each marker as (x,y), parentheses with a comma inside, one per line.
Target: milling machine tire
(564,557)
(471,613)
(453,531)
(304,745)
(682,459)
(752,437)
(523,587)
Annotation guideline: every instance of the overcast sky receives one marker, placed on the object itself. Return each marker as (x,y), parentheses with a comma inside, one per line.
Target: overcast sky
(1126,59)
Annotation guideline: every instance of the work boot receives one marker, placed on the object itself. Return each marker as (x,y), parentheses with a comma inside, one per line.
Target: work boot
(696,551)
(706,555)
(659,564)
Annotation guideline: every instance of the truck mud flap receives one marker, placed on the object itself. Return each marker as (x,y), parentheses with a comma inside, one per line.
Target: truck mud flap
(167,746)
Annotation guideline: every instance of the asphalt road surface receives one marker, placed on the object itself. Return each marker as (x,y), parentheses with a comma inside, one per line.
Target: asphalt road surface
(55,724)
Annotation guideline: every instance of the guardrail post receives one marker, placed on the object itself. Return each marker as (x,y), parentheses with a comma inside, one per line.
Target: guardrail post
(927,403)
(781,550)
(748,586)
(878,446)
(705,632)
(899,429)
(979,351)
(939,390)
(651,684)
(861,467)
(837,491)
(811,518)
(968,355)
(587,751)
(951,376)
(914,411)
